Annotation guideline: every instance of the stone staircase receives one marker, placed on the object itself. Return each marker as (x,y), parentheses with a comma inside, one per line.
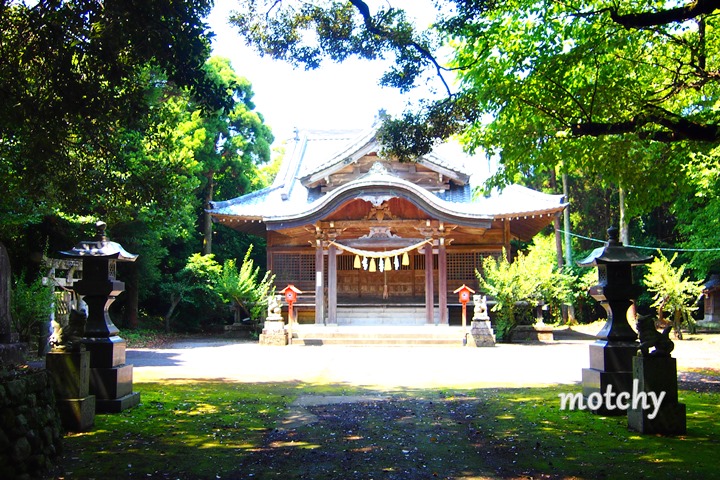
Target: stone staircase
(383,315)
(379,325)
(380,335)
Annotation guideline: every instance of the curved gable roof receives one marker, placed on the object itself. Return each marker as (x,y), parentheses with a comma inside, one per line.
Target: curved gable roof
(290,202)
(365,143)
(375,186)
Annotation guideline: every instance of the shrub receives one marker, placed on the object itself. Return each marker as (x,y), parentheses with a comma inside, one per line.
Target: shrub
(31,304)
(672,292)
(241,287)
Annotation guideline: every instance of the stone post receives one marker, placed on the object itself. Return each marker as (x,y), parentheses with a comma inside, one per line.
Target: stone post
(655,379)
(70,372)
(9,352)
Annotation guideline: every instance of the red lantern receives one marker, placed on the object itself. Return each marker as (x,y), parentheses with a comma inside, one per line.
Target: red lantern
(464,293)
(291,292)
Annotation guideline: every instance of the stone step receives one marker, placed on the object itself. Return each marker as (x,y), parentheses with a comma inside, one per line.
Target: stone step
(383,315)
(351,341)
(377,335)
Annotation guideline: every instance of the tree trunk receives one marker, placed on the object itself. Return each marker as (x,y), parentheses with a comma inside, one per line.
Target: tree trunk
(207,219)
(5,286)
(624,229)
(132,288)
(678,324)
(556,224)
(174,302)
(566,221)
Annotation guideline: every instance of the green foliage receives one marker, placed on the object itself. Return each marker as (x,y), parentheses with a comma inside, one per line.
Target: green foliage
(699,213)
(31,304)
(531,280)
(507,285)
(581,279)
(193,292)
(241,286)
(341,30)
(582,89)
(203,287)
(75,79)
(672,291)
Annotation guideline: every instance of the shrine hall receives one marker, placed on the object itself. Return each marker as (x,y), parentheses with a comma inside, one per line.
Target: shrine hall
(370,240)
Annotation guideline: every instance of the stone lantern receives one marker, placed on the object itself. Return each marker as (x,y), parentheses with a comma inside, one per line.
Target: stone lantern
(110,377)
(611,355)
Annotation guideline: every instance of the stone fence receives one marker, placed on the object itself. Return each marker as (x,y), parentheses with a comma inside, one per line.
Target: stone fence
(30,430)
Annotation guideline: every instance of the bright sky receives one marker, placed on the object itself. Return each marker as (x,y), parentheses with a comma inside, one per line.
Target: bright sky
(343,95)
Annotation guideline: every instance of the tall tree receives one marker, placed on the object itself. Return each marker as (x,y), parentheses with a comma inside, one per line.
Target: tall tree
(236,142)
(73,86)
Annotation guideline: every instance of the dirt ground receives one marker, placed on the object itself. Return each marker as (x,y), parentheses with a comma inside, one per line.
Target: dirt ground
(385,434)
(398,367)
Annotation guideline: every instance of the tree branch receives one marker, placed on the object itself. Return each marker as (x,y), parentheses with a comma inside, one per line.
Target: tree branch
(364,10)
(677,128)
(663,17)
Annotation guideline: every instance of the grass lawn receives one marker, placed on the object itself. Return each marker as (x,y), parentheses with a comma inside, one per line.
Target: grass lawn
(228,430)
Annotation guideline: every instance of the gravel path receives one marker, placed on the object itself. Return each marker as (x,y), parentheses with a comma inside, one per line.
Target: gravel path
(388,368)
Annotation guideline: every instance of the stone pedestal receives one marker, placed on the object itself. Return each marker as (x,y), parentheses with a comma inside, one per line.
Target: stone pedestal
(274,333)
(70,373)
(610,366)
(532,333)
(110,378)
(657,374)
(481,334)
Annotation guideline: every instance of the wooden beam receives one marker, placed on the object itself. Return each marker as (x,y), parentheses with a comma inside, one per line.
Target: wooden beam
(332,284)
(366,224)
(429,287)
(442,282)
(319,290)
(506,237)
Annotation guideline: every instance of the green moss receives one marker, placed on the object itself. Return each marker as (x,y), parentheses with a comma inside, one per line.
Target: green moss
(188,430)
(211,429)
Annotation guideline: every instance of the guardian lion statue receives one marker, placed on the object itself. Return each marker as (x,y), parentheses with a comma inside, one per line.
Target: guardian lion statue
(651,338)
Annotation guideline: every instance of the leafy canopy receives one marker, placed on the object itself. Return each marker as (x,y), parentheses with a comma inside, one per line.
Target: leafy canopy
(78,83)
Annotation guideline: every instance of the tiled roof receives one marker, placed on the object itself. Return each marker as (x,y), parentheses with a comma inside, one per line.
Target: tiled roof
(316,151)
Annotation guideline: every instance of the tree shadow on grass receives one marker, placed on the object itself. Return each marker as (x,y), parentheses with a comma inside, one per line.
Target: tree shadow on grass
(215,429)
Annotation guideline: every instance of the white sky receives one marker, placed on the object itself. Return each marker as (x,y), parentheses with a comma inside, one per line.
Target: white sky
(343,95)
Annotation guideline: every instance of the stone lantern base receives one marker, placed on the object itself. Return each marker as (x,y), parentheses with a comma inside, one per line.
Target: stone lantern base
(481,334)
(610,367)
(274,332)
(70,372)
(111,380)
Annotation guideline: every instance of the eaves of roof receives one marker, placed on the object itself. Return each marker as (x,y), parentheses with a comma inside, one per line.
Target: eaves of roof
(379,184)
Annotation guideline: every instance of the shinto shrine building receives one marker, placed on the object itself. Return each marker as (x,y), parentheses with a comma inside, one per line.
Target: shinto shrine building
(356,231)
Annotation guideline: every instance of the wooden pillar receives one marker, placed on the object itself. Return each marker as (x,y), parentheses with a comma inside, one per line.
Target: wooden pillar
(429,286)
(506,237)
(319,291)
(332,284)
(442,282)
